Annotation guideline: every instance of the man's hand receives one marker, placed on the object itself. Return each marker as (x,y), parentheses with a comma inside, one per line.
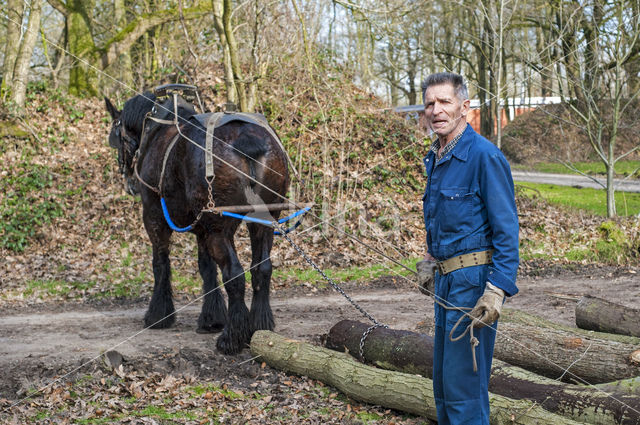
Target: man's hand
(488,307)
(426,276)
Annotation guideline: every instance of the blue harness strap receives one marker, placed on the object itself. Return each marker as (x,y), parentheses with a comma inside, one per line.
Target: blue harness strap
(267,223)
(168,219)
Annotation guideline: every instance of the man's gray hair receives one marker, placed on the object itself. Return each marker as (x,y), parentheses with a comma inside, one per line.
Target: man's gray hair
(456,80)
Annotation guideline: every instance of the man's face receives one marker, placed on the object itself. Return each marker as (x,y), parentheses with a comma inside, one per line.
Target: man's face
(446,114)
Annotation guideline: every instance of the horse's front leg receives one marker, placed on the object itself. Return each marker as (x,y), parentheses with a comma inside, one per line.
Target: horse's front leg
(235,335)
(260,315)
(160,313)
(213,316)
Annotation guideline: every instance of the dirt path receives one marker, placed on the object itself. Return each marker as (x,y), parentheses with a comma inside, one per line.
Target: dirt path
(38,345)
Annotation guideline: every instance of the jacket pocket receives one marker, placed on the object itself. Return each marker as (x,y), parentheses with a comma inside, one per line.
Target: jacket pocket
(455,210)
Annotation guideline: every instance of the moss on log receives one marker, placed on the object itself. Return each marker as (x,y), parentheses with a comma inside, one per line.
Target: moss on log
(400,391)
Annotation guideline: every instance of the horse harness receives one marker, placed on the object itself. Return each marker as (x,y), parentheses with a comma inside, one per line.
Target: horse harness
(210,121)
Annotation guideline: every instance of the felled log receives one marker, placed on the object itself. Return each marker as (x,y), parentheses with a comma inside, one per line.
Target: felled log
(412,352)
(626,386)
(596,314)
(549,349)
(395,390)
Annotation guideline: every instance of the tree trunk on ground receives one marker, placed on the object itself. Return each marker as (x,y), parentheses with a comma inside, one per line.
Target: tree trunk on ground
(401,391)
(21,70)
(549,349)
(600,315)
(411,352)
(627,386)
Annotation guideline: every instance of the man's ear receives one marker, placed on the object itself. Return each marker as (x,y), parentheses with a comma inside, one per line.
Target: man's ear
(466,105)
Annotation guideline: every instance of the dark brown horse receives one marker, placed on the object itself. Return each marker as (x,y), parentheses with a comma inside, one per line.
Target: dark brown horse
(249,148)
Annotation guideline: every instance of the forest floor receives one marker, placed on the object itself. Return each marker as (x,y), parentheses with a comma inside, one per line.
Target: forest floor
(177,376)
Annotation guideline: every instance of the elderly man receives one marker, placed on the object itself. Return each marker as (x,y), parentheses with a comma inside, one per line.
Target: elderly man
(472,242)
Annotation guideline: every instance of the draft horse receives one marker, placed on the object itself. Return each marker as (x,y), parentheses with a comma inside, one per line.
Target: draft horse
(142,146)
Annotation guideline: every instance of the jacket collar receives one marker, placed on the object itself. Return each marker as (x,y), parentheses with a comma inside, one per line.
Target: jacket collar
(461,150)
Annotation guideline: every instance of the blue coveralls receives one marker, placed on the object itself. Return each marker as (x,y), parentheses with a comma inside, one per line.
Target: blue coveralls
(468,206)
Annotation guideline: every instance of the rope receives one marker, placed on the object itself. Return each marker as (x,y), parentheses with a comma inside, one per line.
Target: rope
(469,329)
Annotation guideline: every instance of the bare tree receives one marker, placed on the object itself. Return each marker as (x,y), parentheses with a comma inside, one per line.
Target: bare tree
(20,77)
(604,38)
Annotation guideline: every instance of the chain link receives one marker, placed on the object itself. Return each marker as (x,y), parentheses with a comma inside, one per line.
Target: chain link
(337,287)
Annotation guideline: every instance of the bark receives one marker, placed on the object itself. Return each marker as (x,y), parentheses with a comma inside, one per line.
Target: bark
(14,12)
(412,352)
(233,56)
(596,314)
(626,386)
(549,349)
(401,391)
(21,70)
(229,82)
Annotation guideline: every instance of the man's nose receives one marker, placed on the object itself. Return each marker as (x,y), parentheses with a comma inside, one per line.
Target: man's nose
(437,108)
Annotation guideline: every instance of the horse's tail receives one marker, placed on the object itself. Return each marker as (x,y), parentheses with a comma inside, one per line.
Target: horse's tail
(251,148)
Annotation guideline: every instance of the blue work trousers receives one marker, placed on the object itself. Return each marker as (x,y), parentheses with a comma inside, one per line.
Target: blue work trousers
(462,395)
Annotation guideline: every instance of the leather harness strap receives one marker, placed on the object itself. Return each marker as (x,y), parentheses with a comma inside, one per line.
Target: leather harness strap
(465,260)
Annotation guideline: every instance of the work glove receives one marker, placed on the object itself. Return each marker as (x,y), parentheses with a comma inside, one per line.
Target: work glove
(426,276)
(488,307)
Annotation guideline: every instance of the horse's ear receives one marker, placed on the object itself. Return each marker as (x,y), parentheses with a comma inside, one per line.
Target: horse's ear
(113,111)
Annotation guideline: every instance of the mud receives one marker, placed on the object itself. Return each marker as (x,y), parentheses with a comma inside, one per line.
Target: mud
(64,341)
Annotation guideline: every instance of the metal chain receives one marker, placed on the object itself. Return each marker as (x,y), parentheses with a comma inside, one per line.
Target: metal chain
(337,287)
(365,335)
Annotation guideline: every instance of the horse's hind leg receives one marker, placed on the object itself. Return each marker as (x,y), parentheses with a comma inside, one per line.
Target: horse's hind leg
(213,316)
(236,333)
(160,313)
(260,315)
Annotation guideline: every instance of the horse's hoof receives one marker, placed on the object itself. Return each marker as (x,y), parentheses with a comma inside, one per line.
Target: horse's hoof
(209,329)
(226,346)
(162,322)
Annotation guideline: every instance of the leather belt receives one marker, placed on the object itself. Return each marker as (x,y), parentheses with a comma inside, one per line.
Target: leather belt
(464,260)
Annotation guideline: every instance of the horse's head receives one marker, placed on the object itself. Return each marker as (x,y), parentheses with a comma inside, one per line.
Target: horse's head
(125,135)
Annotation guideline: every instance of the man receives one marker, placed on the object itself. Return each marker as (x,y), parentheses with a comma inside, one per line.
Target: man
(472,242)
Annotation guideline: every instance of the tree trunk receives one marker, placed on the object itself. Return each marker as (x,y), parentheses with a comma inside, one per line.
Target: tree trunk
(229,82)
(596,314)
(549,349)
(233,56)
(21,70)
(411,352)
(14,11)
(395,390)
(82,78)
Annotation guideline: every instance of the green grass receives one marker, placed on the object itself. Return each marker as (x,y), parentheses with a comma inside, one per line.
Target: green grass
(591,200)
(355,273)
(622,168)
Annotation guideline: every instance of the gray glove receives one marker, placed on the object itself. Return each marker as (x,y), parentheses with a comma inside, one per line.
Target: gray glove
(426,276)
(488,306)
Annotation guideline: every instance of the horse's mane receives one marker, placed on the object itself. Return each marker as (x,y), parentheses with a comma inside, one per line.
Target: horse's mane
(136,108)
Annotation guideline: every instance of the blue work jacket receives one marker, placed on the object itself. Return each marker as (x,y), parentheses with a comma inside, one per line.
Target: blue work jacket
(469,205)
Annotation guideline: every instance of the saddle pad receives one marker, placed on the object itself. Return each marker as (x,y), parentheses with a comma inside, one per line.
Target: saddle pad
(212,120)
